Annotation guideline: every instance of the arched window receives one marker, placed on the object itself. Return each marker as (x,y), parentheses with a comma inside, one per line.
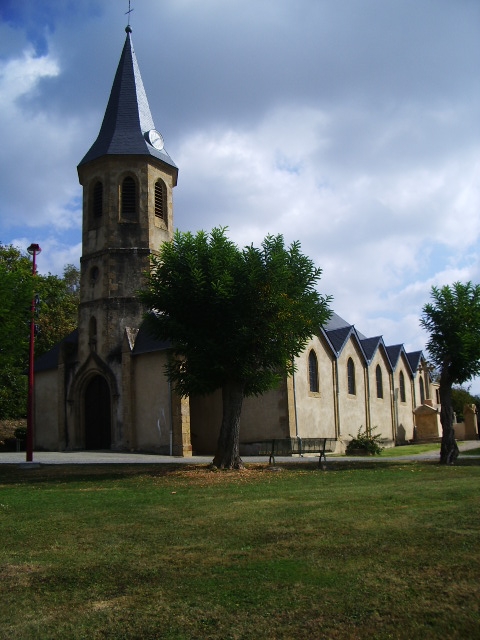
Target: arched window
(351,377)
(403,397)
(422,391)
(97,203)
(129,199)
(378,375)
(313,371)
(161,200)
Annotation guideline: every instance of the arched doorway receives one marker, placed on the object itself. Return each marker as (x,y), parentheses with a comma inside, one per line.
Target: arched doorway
(98,428)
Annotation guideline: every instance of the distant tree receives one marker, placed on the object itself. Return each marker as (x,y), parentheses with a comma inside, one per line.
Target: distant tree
(453,322)
(235,318)
(460,397)
(15,301)
(57,316)
(58,310)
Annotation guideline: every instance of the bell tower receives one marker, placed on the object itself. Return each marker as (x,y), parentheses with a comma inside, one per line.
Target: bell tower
(127,178)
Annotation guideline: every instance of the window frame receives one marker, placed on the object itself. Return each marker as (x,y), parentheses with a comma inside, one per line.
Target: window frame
(379,381)
(313,378)
(351,383)
(126,199)
(160,201)
(401,385)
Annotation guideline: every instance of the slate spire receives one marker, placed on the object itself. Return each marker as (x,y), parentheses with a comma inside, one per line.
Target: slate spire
(127,117)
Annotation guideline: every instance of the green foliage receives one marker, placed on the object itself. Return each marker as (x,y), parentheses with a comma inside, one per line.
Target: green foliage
(56,317)
(15,299)
(453,322)
(232,315)
(20,433)
(58,312)
(460,397)
(367,443)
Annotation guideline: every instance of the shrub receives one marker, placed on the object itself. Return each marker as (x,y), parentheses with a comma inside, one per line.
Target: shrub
(20,433)
(365,443)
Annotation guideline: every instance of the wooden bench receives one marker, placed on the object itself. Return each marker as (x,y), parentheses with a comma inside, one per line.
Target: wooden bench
(298,446)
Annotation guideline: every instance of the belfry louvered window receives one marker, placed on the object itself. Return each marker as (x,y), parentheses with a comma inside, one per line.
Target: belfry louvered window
(161,200)
(313,371)
(351,377)
(378,375)
(129,199)
(97,204)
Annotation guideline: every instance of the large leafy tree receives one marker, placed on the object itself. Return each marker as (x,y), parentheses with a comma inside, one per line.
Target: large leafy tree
(15,300)
(56,317)
(236,318)
(453,321)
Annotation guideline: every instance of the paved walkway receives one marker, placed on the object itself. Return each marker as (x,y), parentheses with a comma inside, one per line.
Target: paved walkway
(109,457)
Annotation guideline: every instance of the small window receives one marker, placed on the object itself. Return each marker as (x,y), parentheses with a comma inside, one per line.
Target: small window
(161,200)
(97,204)
(129,199)
(403,397)
(422,391)
(313,371)
(378,375)
(351,377)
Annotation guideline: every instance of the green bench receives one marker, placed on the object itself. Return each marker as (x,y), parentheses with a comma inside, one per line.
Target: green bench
(297,446)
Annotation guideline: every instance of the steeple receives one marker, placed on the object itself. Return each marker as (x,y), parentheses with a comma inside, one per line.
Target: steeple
(128,125)
(128,180)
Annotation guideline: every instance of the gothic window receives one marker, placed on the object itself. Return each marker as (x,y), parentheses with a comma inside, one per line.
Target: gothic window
(97,204)
(161,201)
(403,397)
(351,377)
(378,375)
(129,199)
(313,371)
(422,391)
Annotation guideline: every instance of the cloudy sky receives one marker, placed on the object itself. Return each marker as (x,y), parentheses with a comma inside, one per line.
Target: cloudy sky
(350,125)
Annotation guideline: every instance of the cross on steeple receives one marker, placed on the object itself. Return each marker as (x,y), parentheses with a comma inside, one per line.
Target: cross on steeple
(128,12)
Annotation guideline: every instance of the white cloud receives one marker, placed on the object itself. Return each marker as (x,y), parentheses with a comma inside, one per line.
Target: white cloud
(352,127)
(35,173)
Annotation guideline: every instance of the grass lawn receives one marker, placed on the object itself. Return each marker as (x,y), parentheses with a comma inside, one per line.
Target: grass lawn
(363,550)
(410,450)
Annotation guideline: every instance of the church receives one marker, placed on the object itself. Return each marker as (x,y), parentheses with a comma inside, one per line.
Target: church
(104,387)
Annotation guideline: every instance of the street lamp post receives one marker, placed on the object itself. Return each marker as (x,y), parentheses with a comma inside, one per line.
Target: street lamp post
(33,250)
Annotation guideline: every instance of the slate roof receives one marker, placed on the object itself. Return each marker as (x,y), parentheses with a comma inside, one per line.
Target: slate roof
(49,360)
(338,337)
(394,353)
(370,345)
(414,360)
(127,117)
(146,343)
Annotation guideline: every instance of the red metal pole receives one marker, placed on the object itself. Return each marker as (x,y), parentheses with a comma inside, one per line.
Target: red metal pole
(33,250)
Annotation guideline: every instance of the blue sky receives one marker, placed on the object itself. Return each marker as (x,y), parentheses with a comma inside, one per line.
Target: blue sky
(351,126)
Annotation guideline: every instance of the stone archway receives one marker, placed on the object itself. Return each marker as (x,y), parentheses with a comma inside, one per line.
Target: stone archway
(97,414)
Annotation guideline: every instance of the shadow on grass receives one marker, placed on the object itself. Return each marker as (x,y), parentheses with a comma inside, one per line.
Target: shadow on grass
(61,474)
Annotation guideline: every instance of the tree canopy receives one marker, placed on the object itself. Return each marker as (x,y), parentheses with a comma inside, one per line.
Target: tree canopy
(452,320)
(236,318)
(57,316)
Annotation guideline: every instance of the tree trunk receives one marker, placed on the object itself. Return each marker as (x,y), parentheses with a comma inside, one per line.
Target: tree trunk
(449,449)
(228,446)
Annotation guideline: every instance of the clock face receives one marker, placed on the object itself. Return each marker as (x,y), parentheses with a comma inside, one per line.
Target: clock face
(155,139)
